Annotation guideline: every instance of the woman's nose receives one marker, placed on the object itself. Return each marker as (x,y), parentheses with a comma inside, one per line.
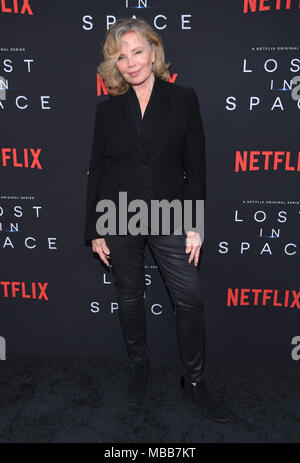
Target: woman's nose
(131,62)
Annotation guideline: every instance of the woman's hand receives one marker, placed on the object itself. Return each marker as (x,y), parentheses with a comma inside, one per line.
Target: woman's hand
(193,243)
(100,247)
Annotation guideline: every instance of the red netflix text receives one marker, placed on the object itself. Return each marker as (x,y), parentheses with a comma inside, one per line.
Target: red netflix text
(23,290)
(249,161)
(259,297)
(16,6)
(26,158)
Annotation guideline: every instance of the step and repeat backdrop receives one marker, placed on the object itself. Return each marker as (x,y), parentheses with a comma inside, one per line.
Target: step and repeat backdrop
(242,58)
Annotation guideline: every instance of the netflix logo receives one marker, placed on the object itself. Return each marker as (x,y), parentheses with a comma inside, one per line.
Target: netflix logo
(23,290)
(262,298)
(27,158)
(253,6)
(250,161)
(15,6)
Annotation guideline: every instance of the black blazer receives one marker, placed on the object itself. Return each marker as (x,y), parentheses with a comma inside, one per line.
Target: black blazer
(166,161)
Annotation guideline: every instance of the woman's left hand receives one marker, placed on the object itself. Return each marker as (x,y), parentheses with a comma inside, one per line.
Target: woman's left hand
(193,245)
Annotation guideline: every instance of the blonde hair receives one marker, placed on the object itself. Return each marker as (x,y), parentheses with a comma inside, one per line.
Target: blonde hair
(112,78)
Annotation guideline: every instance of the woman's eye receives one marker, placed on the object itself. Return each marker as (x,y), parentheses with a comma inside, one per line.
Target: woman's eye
(139,51)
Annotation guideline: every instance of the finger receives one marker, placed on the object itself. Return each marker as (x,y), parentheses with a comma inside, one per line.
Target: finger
(197,257)
(106,250)
(103,258)
(192,254)
(188,245)
(188,249)
(102,248)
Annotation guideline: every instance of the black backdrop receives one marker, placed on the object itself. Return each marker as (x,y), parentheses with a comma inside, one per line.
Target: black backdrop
(241,63)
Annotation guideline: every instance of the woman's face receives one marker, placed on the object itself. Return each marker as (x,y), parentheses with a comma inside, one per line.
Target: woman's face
(135,59)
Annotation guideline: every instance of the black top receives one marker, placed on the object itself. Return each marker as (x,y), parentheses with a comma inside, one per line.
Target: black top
(134,106)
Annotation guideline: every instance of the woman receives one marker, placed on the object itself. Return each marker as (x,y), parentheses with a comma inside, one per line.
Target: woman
(143,136)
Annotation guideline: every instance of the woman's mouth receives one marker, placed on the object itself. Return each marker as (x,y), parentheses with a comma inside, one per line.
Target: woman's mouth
(134,73)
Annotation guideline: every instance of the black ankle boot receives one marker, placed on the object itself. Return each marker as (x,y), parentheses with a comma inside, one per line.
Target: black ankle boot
(137,382)
(208,406)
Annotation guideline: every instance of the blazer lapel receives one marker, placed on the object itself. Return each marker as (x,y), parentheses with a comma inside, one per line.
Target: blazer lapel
(152,118)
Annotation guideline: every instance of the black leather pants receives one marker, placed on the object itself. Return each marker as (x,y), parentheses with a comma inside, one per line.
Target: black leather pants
(183,282)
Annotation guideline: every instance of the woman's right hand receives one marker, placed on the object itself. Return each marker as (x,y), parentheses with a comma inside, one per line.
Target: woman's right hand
(100,247)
